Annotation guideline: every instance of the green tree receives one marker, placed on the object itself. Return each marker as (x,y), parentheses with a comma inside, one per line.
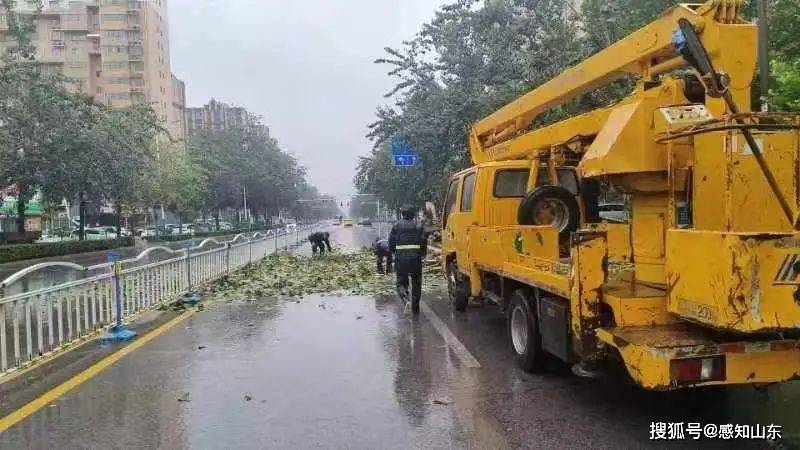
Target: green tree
(180,183)
(470,59)
(125,147)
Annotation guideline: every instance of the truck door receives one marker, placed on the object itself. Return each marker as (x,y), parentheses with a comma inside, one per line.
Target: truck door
(463,219)
(448,234)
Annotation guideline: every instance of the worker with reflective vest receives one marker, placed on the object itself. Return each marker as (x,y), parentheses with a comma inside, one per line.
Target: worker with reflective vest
(408,242)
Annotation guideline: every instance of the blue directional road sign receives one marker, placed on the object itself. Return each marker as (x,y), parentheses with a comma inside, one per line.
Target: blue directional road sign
(402,154)
(405,160)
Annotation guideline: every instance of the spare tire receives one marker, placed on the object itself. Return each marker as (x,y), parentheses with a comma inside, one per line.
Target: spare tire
(548,205)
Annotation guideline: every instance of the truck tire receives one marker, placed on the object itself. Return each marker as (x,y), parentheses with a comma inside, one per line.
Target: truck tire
(547,205)
(457,287)
(523,331)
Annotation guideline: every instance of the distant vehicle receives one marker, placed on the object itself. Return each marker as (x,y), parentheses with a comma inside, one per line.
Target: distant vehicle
(290,228)
(95,234)
(187,230)
(113,230)
(347,222)
(201,227)
(364,222)
(147,232)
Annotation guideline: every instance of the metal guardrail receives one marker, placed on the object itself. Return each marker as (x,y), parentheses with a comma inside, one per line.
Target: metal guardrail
(37,323)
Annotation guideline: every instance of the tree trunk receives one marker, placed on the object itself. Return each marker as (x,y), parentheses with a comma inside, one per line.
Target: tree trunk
(216,219)
(118,213)
(21,203)
(82,217)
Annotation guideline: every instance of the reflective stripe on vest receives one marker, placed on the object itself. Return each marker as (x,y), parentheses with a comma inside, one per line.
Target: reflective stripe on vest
(408,247)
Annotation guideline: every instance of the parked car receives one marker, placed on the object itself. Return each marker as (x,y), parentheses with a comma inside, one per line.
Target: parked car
(95,234)
(113,230)
(187,230)
(364,222)
(347,222)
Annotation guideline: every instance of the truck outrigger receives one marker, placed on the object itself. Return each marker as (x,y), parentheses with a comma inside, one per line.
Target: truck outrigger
(702,285)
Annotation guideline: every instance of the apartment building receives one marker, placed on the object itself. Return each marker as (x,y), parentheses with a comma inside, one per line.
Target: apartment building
(114,50)
(178,112)
(217,115)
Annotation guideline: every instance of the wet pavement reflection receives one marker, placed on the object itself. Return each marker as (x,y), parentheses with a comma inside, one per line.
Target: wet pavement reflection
(355,372)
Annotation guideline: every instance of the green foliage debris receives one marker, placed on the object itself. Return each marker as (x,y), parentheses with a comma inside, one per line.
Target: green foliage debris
(288,275)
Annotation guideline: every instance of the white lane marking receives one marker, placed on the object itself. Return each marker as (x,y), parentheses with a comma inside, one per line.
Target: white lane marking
(452,341)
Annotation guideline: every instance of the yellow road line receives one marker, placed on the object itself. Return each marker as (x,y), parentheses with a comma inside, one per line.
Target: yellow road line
(53,394)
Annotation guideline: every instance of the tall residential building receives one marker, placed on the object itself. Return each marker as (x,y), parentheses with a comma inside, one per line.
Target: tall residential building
(114,50)
(178,111)
(221,116)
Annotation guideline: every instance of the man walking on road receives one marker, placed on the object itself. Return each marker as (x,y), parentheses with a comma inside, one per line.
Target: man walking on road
(407,241)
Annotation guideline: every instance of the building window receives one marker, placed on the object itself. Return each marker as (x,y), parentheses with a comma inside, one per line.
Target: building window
(114,49)
(115,65)
(111,17)
(112,34)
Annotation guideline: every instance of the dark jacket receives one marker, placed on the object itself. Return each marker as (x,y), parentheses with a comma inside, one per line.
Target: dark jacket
(381,247)
(319,236)
(408,233)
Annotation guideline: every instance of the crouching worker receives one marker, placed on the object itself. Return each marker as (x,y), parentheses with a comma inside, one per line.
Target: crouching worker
(408,242)
(382,252)
(319,241)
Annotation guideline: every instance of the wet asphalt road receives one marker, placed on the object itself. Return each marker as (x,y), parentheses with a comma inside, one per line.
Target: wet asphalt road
(354,372)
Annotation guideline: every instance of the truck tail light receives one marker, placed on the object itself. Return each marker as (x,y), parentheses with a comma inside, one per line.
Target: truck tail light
(697,370)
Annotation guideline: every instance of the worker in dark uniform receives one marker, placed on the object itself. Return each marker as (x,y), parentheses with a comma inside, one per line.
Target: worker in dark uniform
(319,240)
(382,252)
(407,241)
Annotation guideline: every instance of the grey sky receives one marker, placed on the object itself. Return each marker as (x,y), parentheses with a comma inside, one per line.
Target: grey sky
(304,65)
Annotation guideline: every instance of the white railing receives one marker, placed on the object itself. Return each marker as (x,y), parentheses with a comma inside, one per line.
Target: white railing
(40,322)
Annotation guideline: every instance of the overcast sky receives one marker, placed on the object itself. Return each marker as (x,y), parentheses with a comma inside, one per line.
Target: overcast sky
(304,65)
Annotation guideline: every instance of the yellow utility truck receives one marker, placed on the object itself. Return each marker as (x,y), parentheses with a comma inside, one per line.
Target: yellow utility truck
(700,285)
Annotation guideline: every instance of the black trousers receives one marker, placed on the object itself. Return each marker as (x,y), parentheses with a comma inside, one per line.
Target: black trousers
(379,259)
(318,246)
(409,268)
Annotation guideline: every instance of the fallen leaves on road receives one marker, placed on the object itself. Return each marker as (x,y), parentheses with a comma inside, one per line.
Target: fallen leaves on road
(292,276)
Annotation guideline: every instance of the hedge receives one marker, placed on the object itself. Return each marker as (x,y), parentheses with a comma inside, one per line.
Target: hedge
(10,253)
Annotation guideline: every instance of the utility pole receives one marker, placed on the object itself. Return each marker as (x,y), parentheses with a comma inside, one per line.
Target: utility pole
(763,53)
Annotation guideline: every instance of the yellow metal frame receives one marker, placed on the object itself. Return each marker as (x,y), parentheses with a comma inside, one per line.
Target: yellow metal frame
(640,311)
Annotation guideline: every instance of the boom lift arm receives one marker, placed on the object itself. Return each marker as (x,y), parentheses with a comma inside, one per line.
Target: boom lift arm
(645,53)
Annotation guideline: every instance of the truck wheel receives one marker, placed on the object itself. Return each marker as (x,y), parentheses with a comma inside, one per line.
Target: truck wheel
(548,205)
(523,331)
(456,287)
